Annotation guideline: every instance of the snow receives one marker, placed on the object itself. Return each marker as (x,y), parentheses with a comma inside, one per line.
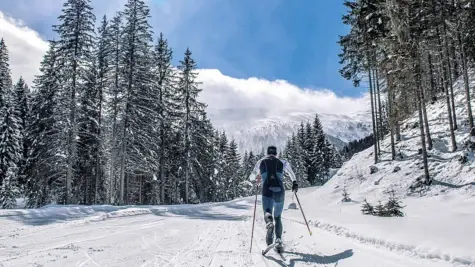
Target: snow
(219,234)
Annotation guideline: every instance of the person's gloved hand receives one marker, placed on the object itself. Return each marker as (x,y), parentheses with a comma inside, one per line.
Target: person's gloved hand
(295,186)
(258,179)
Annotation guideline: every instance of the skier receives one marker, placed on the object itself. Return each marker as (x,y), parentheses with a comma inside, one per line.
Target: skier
(270,171)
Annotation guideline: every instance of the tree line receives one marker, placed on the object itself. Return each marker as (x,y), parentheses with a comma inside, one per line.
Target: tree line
(310,154)
(356,146)
(410,53)
(111,120)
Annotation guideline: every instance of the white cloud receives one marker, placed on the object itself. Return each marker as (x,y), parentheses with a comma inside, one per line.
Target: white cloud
(25,46)
(271,98)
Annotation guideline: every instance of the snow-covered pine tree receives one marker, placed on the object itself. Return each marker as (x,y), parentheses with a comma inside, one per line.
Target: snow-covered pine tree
(76,35)
(321,157)
(90,171)
(89,142)
(312,157)
(346,195)
(393,206)
(9,191)
(205,165)
(221,168)
(192,110)
(235,178)
(114,106)
(248,163)
(45,134)
(380,210)
(10,151)
(22,110)
(293,152)
(137,142)
(164,77)
(103,60)
(5,88)
(5,75)
(367,208)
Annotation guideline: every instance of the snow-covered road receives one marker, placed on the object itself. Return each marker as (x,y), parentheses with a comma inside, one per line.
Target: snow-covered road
(203,235)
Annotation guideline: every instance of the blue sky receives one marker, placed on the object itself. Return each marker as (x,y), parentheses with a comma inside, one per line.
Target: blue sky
(270,39)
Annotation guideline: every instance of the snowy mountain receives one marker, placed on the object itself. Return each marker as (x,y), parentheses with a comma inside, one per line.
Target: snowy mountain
(253,131)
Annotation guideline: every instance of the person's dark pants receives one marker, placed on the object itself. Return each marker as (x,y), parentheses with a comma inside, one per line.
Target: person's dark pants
(273,202)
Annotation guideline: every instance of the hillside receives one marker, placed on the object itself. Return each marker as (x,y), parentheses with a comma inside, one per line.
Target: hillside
(437,222)
(254,131)
(448,173)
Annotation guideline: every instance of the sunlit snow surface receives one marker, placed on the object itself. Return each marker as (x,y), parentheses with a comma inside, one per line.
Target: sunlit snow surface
(220,234)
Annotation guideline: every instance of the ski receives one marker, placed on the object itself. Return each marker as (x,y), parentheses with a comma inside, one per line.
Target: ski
(281,256)
(264,252)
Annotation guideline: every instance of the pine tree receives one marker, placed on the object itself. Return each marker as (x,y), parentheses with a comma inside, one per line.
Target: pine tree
(321,158)
(10,151)
(393,206)
(235,178)
(346,196)
(5,76)
(192,110)
(136,142)
(45,134)
(88,169)
(221,168)
(312,156)
(76,34)
(367,208)
(114,105)
(380,210)
(167,109)
(22,110)
(9,190)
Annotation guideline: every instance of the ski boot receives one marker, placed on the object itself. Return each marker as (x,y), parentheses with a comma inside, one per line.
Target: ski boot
(279,248)
(270,228)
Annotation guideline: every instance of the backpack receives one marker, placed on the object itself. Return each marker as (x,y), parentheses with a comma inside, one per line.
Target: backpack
(272,166)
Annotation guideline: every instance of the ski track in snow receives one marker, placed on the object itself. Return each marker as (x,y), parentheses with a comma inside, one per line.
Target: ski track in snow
(410,250)
(215,235)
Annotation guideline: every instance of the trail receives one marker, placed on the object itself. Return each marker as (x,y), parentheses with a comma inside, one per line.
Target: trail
(208,235)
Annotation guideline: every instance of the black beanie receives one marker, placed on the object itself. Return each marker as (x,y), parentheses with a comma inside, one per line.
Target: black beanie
(272,150)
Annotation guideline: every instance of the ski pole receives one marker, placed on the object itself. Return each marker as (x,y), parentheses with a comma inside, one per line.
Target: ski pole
(254,218)
(298,201)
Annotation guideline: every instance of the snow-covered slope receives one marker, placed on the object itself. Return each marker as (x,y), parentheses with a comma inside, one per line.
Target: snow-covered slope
(448,173)
(254,132)
(438,222)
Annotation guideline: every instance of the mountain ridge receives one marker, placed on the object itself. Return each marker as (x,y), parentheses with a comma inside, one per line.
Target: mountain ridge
(253,130)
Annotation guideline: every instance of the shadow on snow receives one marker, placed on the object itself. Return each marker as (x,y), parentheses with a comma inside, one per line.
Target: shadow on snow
(315,259)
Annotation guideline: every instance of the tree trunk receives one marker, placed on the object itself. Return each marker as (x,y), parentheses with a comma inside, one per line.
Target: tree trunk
(424,111)
(451,84)
(390,116)
(433,93)
(466,81)
(187,153)
(372,118)
(446,89)
(376,112)
(423,141)
(381,130)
